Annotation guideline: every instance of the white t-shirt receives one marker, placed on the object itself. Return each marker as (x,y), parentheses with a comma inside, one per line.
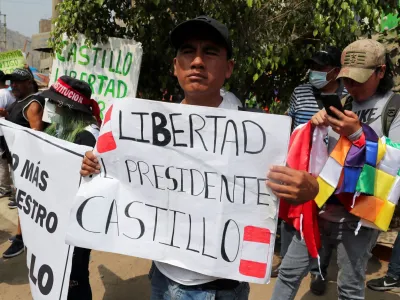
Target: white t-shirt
(180,275)
(6,98)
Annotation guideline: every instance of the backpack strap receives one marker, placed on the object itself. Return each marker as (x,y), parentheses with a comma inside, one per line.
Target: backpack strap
(390,112)
(347,102)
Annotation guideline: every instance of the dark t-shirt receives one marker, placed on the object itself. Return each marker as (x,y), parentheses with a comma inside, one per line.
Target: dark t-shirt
(85,138)
(16,111)
(16,114)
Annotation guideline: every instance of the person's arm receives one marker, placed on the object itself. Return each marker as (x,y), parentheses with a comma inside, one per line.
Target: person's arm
(292,105)
(3,113)
(3,104)
(291,112)
(296,187)
(33,114)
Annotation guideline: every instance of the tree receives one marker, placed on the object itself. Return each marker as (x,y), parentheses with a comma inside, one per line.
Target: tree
(271,37)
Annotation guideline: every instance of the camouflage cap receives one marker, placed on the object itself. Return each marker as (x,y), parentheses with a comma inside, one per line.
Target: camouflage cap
(361,58)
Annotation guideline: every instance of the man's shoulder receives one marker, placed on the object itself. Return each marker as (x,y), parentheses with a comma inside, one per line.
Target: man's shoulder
(86,138)
(230,101)
(306,87)
(304,94)
(39,98)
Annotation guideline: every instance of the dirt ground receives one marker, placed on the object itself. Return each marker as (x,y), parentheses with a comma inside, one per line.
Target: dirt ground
(118,277)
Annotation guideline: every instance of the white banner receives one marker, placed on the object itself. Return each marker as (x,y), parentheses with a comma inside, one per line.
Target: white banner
(184,185)
(112,70)
(46,174)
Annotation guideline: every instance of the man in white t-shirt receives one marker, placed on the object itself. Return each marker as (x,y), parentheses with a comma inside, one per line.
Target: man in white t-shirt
(6,99)
(202,64)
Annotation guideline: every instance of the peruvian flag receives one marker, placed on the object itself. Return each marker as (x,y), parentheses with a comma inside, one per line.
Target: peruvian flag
(106,141)
(255,252)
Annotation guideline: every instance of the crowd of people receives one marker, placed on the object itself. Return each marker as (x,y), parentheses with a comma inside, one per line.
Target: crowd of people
(361,75)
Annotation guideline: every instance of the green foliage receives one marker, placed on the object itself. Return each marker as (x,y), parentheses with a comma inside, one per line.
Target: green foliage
(391,39)
(271,37)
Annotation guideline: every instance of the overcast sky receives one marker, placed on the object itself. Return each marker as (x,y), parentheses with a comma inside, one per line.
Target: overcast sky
(24,15)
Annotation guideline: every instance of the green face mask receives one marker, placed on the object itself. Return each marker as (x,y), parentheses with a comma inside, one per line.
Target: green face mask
(50,114)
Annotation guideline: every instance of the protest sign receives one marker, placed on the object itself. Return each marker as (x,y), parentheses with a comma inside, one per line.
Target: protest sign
(46,175)
(112,70)
(11,60)
(184,185)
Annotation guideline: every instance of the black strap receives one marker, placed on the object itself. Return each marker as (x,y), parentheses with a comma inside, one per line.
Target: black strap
(347,102)
(390,110)
(317,96)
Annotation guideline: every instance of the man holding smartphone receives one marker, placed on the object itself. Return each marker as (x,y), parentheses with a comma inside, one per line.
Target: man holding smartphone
(368,77)
(306,101)
(324,68)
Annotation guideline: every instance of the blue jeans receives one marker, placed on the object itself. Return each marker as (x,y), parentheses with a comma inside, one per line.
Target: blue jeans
(287,234)
(394,264)
(353,253)
(163,288)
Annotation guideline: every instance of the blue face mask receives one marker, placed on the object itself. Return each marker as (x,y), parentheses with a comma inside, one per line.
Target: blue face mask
(318,79)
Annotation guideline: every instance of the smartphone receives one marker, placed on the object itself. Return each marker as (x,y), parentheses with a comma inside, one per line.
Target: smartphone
(329,100)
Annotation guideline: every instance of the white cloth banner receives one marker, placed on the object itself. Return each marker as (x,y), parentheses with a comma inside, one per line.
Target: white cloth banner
(184,185)
(112,69)
(46,175)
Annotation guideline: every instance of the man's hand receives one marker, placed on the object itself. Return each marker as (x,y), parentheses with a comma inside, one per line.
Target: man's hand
(90,165)
(296,187)
(346,123)
(3,113)
(319,119)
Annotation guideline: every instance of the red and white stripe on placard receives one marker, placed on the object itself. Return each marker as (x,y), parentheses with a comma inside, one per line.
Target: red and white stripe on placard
(106,141)
(255,252)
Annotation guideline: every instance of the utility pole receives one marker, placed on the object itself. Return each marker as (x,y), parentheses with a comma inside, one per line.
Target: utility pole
(3,31)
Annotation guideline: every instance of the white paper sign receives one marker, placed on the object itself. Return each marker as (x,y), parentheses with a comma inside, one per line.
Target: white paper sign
(184,185)
(112,70)
(46,174)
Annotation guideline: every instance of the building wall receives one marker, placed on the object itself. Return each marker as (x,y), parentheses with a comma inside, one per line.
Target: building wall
(15,41)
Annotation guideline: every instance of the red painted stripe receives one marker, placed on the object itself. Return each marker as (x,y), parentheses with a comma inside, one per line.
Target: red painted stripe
(108,115)
(252,269)
(106,143)
(257,234)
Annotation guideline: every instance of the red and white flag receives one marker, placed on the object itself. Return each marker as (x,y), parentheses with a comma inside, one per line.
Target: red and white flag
(255,252)
(106,141)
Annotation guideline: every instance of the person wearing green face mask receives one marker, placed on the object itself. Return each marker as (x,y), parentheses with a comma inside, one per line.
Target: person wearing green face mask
(73,117)
(324,67)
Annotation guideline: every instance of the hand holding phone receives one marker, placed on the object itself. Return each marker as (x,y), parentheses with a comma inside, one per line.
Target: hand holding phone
(329,100)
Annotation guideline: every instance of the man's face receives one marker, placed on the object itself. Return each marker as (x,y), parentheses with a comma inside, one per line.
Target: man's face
(332,71)
(201,66)
(21,89)
(362,91)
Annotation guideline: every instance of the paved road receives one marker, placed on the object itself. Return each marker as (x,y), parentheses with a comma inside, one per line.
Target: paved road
(118,277)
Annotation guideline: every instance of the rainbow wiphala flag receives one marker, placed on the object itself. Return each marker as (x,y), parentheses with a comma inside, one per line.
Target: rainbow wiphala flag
(365,177)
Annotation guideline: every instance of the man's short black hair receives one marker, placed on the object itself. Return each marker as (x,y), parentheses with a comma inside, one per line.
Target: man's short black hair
(387,82)
(202,27)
